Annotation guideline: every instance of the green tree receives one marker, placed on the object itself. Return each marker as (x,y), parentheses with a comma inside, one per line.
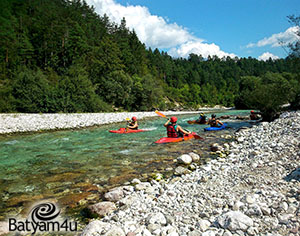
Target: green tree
(31,91)
(115,88)
(76,93)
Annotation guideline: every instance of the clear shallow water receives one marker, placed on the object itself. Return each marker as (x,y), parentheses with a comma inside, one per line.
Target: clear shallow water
(73,165)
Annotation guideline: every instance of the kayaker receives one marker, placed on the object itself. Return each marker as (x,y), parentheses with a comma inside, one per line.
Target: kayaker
(214,122)
(201,119)
(174,130)
(133,124)
(254,115)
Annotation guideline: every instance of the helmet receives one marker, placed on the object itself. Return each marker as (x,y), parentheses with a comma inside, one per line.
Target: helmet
(213,116)
(133,118)
(252,111)
(173,119)
(202,114)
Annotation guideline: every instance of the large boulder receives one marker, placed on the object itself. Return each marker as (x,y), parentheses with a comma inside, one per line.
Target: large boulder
(234,220)
(185,159)
(102,208)
(114,195)
(95,227)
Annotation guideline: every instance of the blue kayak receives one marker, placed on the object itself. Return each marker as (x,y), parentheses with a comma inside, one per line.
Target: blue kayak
(215,128)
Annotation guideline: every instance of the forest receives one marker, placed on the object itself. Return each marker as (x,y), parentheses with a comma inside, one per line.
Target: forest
(61,56)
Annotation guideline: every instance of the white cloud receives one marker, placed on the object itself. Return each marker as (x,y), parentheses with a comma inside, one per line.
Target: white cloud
(266,56)
(152,30)
(277,40)
(200,48)
(155,31)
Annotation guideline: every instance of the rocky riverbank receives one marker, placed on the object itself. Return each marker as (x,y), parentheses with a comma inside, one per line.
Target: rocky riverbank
(24,122)
(253,188)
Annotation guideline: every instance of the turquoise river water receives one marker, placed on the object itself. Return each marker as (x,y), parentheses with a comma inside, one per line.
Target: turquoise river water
(75,166)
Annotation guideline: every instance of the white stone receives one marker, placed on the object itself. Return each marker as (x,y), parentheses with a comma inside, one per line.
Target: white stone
(142,186)
(114,195)
(284,206)
(209,233)
(238,205)
(135,181)
(115,231)
(157,218)
(195,157)
(146,232)
(185,159)
(227,233)
(95,227)
(103,208)
(234,220)
(204,225)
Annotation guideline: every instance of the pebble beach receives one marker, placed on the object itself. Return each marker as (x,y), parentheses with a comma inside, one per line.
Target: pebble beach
(251,188)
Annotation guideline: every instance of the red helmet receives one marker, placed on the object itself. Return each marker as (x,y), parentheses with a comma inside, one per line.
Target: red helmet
(173,119)
(252,111)
(133,118)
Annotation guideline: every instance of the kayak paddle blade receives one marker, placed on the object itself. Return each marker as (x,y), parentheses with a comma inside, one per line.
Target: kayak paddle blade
(161,114)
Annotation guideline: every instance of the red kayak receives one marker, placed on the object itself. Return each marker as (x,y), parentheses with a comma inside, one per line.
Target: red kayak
(123,131)
(175,140)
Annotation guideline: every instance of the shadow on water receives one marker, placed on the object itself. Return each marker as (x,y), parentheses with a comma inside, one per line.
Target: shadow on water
(75,166)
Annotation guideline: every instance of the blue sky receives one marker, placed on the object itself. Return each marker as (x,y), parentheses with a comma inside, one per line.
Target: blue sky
(240,28)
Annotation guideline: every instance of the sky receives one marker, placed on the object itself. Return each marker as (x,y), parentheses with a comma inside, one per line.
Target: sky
(242,28)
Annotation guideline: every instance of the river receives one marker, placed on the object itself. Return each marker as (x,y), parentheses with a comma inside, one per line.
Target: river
(75,166)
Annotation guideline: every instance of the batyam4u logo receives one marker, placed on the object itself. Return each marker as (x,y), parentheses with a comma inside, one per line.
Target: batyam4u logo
(43,217)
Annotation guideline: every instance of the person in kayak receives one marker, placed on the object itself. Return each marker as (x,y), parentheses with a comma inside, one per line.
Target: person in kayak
(133,124)
(214,122)
(201,119)
(174,130)
(254,115)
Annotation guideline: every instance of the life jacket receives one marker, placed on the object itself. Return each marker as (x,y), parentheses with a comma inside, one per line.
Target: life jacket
(132,124)
(171,131)
(213,123)
(201,120)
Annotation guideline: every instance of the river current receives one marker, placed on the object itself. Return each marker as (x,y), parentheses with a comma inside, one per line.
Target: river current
(76,166)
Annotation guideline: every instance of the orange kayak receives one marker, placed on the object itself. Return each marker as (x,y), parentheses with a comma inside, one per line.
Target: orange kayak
(175,140)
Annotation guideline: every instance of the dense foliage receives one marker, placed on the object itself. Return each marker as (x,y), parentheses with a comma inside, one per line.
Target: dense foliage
(60,56)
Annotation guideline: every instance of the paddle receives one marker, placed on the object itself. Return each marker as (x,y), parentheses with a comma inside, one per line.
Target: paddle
(161,114)
(196,136)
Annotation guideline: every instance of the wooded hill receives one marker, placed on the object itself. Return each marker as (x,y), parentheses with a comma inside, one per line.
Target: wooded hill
(60,56)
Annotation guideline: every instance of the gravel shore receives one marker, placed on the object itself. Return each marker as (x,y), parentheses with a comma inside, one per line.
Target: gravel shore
(252,188)
(23,122)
